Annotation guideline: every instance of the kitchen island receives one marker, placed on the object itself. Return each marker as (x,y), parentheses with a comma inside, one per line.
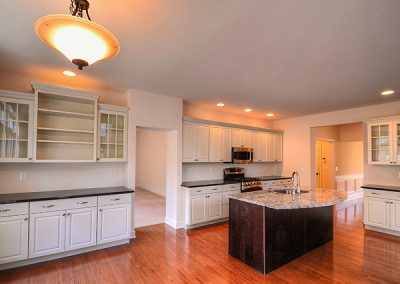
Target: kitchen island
(269,229)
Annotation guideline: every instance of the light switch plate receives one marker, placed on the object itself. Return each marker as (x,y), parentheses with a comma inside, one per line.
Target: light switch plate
(22,176)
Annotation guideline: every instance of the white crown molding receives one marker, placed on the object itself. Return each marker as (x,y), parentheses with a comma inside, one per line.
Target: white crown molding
(113,108)
(17,95)
(63,91)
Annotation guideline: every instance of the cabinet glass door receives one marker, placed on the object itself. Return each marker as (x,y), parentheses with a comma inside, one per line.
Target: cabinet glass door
(112,136)
(396,135)
(14,130)
(380,143)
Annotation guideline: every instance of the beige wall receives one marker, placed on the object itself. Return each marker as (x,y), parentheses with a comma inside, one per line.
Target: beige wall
(151,160)
(297,142)
(199,111)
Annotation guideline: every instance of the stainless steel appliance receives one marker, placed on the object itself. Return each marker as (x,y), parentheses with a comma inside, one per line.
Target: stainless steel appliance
(251,184)
(242,155)
(236,174)
(246,183)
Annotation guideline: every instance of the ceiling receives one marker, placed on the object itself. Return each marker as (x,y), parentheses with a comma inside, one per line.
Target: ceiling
(283,56)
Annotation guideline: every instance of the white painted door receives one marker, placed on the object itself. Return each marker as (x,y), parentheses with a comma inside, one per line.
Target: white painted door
(278,147)
(114,223)
(226,145)
(236,137)
(377,212)
(201,142)
(213,206)
(46,233)
(262,147)
(246,138)
(254,145)
(13,238)
(188,141)
(80,228)
(197,209)
(395,217)
(396,142)
(215,150)
(270,147)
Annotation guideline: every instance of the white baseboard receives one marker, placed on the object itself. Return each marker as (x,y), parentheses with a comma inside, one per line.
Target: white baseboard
(381,230)
(133,234)
(173,223)
(60,255)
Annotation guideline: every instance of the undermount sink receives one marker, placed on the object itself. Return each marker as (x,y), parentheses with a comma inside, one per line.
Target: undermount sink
(288,191)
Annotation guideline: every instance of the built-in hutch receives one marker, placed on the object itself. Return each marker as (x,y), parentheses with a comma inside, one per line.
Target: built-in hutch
(384,141)
(58,125)
(206,141)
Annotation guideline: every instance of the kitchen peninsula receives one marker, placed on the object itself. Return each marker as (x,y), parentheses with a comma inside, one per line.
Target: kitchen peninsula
(269,229)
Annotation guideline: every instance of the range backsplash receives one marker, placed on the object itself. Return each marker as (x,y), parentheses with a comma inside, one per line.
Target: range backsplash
(210,171)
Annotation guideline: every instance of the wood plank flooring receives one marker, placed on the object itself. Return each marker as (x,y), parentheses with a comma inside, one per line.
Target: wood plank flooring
(162,255)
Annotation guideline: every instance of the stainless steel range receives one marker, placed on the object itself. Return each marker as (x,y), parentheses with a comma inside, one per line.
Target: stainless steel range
(247,183)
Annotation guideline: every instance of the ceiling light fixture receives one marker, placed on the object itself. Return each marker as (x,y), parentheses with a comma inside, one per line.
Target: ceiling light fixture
(248,110)
(220,104)
(69,73)
(269,114)
(387,92)
(82,41)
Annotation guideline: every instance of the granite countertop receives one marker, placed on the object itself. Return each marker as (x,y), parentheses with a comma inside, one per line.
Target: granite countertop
(270,199)
(382,187)
(60,194)
(201,183)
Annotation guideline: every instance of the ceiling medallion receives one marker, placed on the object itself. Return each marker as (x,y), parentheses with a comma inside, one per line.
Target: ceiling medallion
(82,41)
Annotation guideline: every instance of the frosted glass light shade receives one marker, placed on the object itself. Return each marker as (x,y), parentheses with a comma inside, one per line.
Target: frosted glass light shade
(83,42)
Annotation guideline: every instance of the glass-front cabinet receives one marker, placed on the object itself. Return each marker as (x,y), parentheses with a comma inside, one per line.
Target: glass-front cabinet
(384,142)
(16,122)
(112,133)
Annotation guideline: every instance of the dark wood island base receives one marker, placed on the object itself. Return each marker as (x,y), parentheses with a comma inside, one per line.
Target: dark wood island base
(266,238)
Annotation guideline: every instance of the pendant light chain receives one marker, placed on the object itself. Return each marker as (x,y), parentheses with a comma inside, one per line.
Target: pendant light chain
(77,7)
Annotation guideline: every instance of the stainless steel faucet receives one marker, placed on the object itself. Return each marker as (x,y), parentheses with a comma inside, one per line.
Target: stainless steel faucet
(297,190)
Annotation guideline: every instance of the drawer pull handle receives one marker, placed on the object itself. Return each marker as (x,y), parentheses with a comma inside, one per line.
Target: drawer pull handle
(83,202)
(215,189)
(5,210)
(374,193)
(115,199)
(198,190)
(48,206)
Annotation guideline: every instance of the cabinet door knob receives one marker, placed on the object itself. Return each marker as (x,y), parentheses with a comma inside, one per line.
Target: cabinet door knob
(26,219)
(100,210)
(63,214)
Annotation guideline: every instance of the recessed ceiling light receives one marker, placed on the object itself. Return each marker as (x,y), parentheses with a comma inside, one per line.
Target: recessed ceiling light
(269,114)
(387,92)
(69,73)
(248,110)
(220,104)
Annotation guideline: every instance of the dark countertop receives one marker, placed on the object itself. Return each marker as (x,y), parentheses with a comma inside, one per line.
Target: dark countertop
(60,194)
(201,183)
(382,187)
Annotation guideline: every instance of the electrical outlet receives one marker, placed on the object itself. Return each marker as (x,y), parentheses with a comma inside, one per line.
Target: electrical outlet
(22,176)
(110,173)
(301,170)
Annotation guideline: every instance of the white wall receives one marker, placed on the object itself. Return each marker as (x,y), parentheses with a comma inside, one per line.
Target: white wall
(297,154)
(151,160)
(156,111)
(210,171)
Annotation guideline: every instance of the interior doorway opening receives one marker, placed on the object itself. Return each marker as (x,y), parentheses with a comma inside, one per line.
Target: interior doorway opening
(150,176)
(338,158)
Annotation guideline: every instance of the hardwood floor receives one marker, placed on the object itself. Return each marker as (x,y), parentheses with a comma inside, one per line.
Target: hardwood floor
(162,255)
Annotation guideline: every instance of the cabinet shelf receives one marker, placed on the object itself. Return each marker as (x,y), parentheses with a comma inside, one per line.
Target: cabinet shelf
(65,142)
(65,130)
(65,113)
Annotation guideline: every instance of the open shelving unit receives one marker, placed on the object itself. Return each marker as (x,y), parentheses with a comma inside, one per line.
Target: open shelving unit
(65,125)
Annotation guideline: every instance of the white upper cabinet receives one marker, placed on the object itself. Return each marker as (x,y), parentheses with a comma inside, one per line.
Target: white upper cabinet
(16,127)
(274,147)
(112,133)
(220,144)
(384,142)
(195,141)
(259,144)
(241,137)
(65,124)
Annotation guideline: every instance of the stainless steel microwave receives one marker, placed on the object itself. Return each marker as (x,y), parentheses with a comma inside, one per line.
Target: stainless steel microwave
(242,155)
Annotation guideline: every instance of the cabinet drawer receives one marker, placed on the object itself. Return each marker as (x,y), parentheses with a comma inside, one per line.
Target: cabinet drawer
(231,187)
(49,205)
(82,202)
(267,183)
(284,182)
(382,194)
(205,190)
(114,199)
(13,209)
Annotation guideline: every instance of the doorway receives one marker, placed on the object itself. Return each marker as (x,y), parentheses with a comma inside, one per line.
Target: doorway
(325,164)
(150,176)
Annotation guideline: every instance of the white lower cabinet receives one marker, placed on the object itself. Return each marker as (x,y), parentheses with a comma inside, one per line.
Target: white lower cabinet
(114,223)
(197,209)
(80,227)
(47,233)
(382,210)
(13,238)
(213,206)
